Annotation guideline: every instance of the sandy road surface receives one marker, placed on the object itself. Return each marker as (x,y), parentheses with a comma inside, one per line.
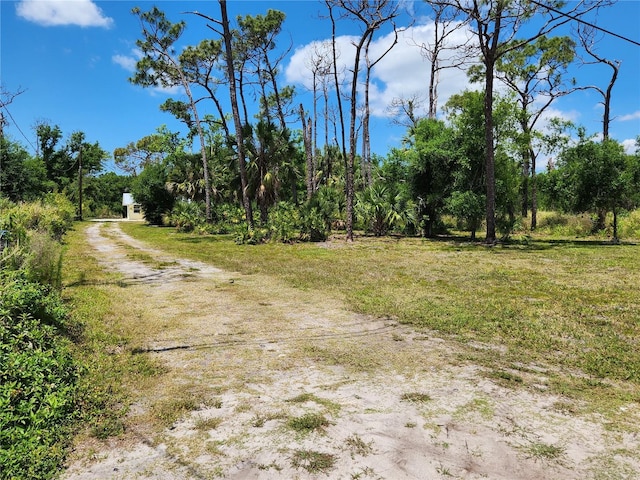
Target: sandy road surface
(258,356)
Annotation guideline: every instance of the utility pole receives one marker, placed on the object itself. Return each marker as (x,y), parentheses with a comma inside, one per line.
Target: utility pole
(80,184)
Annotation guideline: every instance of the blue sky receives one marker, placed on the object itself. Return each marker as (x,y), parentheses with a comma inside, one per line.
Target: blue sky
(73,59)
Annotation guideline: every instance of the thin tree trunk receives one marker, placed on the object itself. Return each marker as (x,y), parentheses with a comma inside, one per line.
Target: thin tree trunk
(490,156)
(534,194)
(349,176)
(203,156)
(236,114)
(306,136)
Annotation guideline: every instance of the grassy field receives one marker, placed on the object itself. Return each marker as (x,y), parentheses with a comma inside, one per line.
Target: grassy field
(563,307)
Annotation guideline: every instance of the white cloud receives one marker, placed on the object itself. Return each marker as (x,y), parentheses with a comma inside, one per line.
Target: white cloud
(631,116)
(128,62)
(48,13)
(402,73)
(630,146)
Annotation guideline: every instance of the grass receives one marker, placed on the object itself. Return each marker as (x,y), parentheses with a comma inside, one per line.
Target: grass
(111,373)
(309,422)
(565,305)
(332,407)
(312,461)
(415,397)
(358,446)
(544,451)
(204,424)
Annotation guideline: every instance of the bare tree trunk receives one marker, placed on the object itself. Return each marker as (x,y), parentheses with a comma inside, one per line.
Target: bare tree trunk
(203,156)
(490,171)
(236,114)
(349,177)
(532,187)
(306,135)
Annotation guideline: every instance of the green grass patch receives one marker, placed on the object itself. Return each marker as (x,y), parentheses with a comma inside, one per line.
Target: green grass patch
(312,461)
(544,451)
(309,422)
(415,397)
(310,397)
(204,424)
(358,446)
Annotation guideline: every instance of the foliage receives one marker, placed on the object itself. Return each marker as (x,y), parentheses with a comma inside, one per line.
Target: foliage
(149,190)
(564,225)
(38,375)
(468,208)
(380,211)
(283,223)
(22,178)
(53,216)
(185,216)
(432,160)
(149,149)
(593,176)
(630,225)
(103,194)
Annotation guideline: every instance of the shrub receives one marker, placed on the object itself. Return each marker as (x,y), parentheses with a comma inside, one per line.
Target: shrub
(43,263)
(381,210)
(560,224)
(283,223)
(37,380)
(313,225)
(53,216)
(630,225)
(186,216)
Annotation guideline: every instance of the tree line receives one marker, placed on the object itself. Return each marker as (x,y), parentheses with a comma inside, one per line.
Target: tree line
(263,170)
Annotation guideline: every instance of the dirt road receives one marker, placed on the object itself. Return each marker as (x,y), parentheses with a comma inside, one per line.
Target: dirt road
(269,382)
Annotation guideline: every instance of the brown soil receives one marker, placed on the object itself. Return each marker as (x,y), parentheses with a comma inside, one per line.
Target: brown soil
(246,356)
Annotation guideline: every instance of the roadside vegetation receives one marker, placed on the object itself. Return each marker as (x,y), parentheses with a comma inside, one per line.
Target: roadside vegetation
(38,370)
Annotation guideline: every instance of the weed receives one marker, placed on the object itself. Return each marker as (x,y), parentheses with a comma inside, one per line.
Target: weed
(444,471)
(168,411)
(358,446)
(544,451)
(365,472)
(259,420)
(312,461)
(506,378)
(308,422)
(310,397)
(415,397)
(273,465)
(204,424)
(481,406)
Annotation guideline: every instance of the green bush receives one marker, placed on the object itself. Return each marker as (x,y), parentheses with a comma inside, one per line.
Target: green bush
(52,216)
(630,225)
(566,225)
(186,216)
(37,379)
(283,223)
(43,263)
(313,226)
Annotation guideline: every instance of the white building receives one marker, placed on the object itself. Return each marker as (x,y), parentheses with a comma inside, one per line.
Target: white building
(130,209)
